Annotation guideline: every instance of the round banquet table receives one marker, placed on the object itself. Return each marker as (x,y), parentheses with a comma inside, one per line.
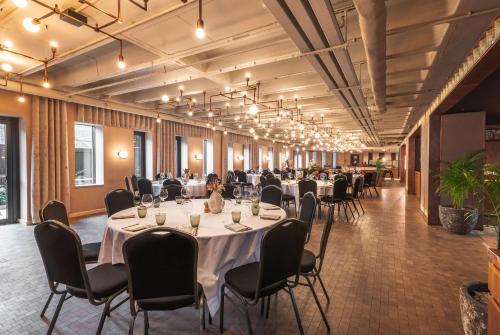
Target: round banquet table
(197,189)
(219,249)
(253,178)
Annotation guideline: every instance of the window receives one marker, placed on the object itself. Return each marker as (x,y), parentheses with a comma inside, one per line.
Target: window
(270,158)
(295,160)
(299,163)
(315,157)
(230,158)
(260,157)
(181,157)
(246,157)
(208,157)
(323,158)
(307,158)
(334,159)
(139,154)
(88,155)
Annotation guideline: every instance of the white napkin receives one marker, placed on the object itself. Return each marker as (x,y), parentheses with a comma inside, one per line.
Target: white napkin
(270,217)
(123,216)
(267,206)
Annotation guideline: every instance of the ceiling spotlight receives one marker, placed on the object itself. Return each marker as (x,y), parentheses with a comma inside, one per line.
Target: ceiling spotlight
(54,44)
(7,44)
(20,3)
(6,67)
(121,62)
(227,88)
(165,98)
(32,25)
(21,99)
(256,137)
(253,109)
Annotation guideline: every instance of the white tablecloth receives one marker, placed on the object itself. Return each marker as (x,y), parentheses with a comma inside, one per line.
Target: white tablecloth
(253,178)
(219,249)
(291,187)
(196,189)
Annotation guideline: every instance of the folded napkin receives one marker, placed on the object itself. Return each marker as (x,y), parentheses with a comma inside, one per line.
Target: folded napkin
(188,229)
(123,216)
(270,217)
(267,206)
(138,227)
(236,227)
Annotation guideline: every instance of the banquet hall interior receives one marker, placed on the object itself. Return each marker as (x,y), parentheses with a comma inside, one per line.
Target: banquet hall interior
(250,167)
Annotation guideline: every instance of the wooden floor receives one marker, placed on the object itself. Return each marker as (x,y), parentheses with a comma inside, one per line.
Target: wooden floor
(387,273)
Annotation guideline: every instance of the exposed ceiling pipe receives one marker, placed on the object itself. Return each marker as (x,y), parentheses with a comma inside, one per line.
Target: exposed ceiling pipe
(372,18)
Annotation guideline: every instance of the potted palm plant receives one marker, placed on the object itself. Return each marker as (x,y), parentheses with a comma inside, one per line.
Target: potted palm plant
(460,180)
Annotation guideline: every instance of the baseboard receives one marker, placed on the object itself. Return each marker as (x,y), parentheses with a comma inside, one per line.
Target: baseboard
(87,213)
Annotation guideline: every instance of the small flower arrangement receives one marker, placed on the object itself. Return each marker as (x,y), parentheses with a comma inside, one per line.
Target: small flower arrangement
(215,185)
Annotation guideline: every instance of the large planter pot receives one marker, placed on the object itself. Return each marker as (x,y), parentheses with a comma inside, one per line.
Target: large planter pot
(474,308)
(458,221)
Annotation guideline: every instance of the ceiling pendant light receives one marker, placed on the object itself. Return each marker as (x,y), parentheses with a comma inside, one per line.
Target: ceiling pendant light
(21,98)
(20,3)
(200,25)
(121,61)
(165,98)
(6,67)
(253,109)
(7,44)
(32,25)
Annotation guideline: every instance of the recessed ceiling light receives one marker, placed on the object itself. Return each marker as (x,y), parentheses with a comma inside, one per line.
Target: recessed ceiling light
(32,25)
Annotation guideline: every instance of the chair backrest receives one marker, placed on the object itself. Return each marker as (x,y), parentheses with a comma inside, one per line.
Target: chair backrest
(133,180)
(280,253)
(242,177)
(54,210)
(276,171)
(227,192)
(368,178)
(306,185)
(230,177)
(340,188)
(118,200)
(324,238)
(174,190)
(171,182)
(161,263)
(307,211)
(271,194)
(348,175)
(339,176)
(127,184)
(373,181)
(360,186)
(356,187)
(145,186)
(274,181)
(61,251)
(263,181)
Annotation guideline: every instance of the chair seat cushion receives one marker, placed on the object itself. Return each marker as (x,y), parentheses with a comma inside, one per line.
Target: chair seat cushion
(243,280)
(105,280)
(91,251)
(307,262)
(168,303)
(287,197)
(328,198)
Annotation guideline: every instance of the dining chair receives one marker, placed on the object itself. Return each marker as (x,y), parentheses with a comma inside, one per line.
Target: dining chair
(167,182)
(145,186)
(118,200)
(350,197)
(307,211)
(271,194)
(285,198)
(338,196)
(230,177)
(311,265)
(243,180)
(373,182)
(307,185)
(263,181)
(367,183)
(280,257)
(133,181)
(161,264)
(228,191)
(62,256)
(56,211)
(174,190)
(127,184)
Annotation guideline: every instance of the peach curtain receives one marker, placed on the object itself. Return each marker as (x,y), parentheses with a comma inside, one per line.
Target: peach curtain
(113,118)
(166,131)
(50,163)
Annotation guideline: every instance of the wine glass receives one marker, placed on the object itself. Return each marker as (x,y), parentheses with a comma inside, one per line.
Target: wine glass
(237,194)
(147,200)
(185,193)
(163,194)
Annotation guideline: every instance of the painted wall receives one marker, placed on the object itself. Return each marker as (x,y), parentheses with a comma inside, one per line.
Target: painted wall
(195,146)
(237,151)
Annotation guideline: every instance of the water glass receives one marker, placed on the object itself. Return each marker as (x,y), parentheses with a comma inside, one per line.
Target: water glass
(160,218)
(156,203)
(255,208)
(147,200)
(179,200)
(236,215)
(142,211)
(163,194)
(194,219)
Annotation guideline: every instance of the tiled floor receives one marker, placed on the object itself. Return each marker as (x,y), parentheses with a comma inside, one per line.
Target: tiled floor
(387,273)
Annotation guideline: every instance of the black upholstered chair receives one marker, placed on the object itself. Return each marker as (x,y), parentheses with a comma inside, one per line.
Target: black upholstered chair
(367,183)
(311,265)
(62,256)
(212,177)
(276,171)
(227,192)
(273,181)
(263,181)
(161,264)
(230,177)
(171,182)
(286,199)
(133,182)
(373,182)
(338,197)
(307,211)
(56,211)
(145,186)
(118,200)
(127,184)
(350,197)
(280,257)
(271,194)
(174,190)
(307,185)
(242,179)
(348,176)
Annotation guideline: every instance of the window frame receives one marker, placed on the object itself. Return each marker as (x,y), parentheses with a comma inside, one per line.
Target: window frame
(142,135)
(98,155)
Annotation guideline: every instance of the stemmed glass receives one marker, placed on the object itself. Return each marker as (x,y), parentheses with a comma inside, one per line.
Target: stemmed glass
(185,193)
(163,194)
(237,194)
(147,200)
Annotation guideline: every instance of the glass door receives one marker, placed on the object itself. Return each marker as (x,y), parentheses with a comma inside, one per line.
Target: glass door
(9,180)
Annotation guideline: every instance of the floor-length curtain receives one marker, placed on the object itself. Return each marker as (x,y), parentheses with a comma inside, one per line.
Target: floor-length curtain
(50,163)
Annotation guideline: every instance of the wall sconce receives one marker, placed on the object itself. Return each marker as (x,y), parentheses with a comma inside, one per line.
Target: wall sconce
(122,154)
(198,156)
(239,157)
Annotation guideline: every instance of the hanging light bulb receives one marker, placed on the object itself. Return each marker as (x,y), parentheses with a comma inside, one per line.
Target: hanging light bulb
(240,126)
(200,25)
(21,99)
(45,82)
(32,25)
(165,98)
(54,44)
(7,44)
(220,123)
(190,113)
(225,132)
(20,3)
(158,119)
(121,62)
(6,67)
(210,114)
(253,109)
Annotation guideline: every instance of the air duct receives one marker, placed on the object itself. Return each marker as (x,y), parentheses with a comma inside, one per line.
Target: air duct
(372,22)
